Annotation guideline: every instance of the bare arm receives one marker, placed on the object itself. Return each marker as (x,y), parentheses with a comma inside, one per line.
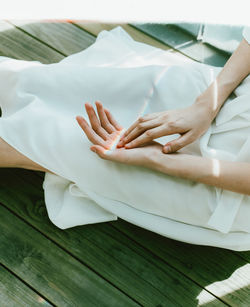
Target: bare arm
(233,176)
(234,71)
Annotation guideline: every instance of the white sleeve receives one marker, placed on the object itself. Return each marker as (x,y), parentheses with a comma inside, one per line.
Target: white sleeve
(246,34)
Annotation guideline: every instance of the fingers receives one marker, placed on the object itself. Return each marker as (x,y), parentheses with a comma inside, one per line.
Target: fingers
(143,119)
(138,130)
(112,120)
(95,123)
(91,135)
(146,137)
(178,143)
(99,150)
(105,122)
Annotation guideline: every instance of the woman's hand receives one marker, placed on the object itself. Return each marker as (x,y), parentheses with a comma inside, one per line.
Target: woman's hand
(190,123)
(105,132)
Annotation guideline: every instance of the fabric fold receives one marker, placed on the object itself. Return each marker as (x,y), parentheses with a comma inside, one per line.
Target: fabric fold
(62,207)
(228,202)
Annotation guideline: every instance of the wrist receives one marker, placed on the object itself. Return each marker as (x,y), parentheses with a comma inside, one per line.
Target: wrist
(207,105)
(182,165)
(165,163)
(215,95)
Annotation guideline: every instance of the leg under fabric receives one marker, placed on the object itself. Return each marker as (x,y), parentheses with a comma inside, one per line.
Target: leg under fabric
(10,157)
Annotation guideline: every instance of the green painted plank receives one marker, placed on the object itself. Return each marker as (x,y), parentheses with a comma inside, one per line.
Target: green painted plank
(56,275)
(184,42)
(145,278)
(245,255)
(13,292)
(16,44)
(222,272)
(70,38)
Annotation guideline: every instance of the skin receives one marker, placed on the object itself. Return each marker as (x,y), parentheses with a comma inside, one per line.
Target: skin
(10,157)
(102,133)
(233,176)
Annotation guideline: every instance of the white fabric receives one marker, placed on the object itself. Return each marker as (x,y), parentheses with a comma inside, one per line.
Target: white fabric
(40,101)
(224,37)
(246,34)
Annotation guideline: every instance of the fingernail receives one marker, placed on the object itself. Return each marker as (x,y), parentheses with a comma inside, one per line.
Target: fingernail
(167,148)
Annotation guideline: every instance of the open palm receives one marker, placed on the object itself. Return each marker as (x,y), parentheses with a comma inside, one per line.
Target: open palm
(105,132)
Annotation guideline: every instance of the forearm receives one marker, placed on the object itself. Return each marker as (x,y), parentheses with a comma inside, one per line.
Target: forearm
(233,176)
(233,73)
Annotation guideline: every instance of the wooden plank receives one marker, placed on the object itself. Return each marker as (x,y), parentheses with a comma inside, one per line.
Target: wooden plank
(16,44)
(220,271)
(185,42)
(52,272)
(13,292)
(77,35)
(139,274)
(245,255)
(61,36)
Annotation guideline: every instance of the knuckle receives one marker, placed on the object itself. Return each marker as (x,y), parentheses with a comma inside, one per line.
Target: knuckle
(165,117)
(95,128)
(98,130)
(110,127)
(179,144)
(140,125)
(172,124)
(141,119)
(104,123)
(146,117)
(148,133)
(165,126)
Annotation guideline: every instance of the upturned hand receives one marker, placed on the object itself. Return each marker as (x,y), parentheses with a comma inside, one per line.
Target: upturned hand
(105,133)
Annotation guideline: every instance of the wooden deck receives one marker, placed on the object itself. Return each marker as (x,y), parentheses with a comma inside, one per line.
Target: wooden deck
(106,264)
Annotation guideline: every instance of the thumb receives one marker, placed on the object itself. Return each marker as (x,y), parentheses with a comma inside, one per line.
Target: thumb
(98,149)
(178,143)
(103,152)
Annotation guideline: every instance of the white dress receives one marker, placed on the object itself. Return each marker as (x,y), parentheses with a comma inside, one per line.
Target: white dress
(40,102)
